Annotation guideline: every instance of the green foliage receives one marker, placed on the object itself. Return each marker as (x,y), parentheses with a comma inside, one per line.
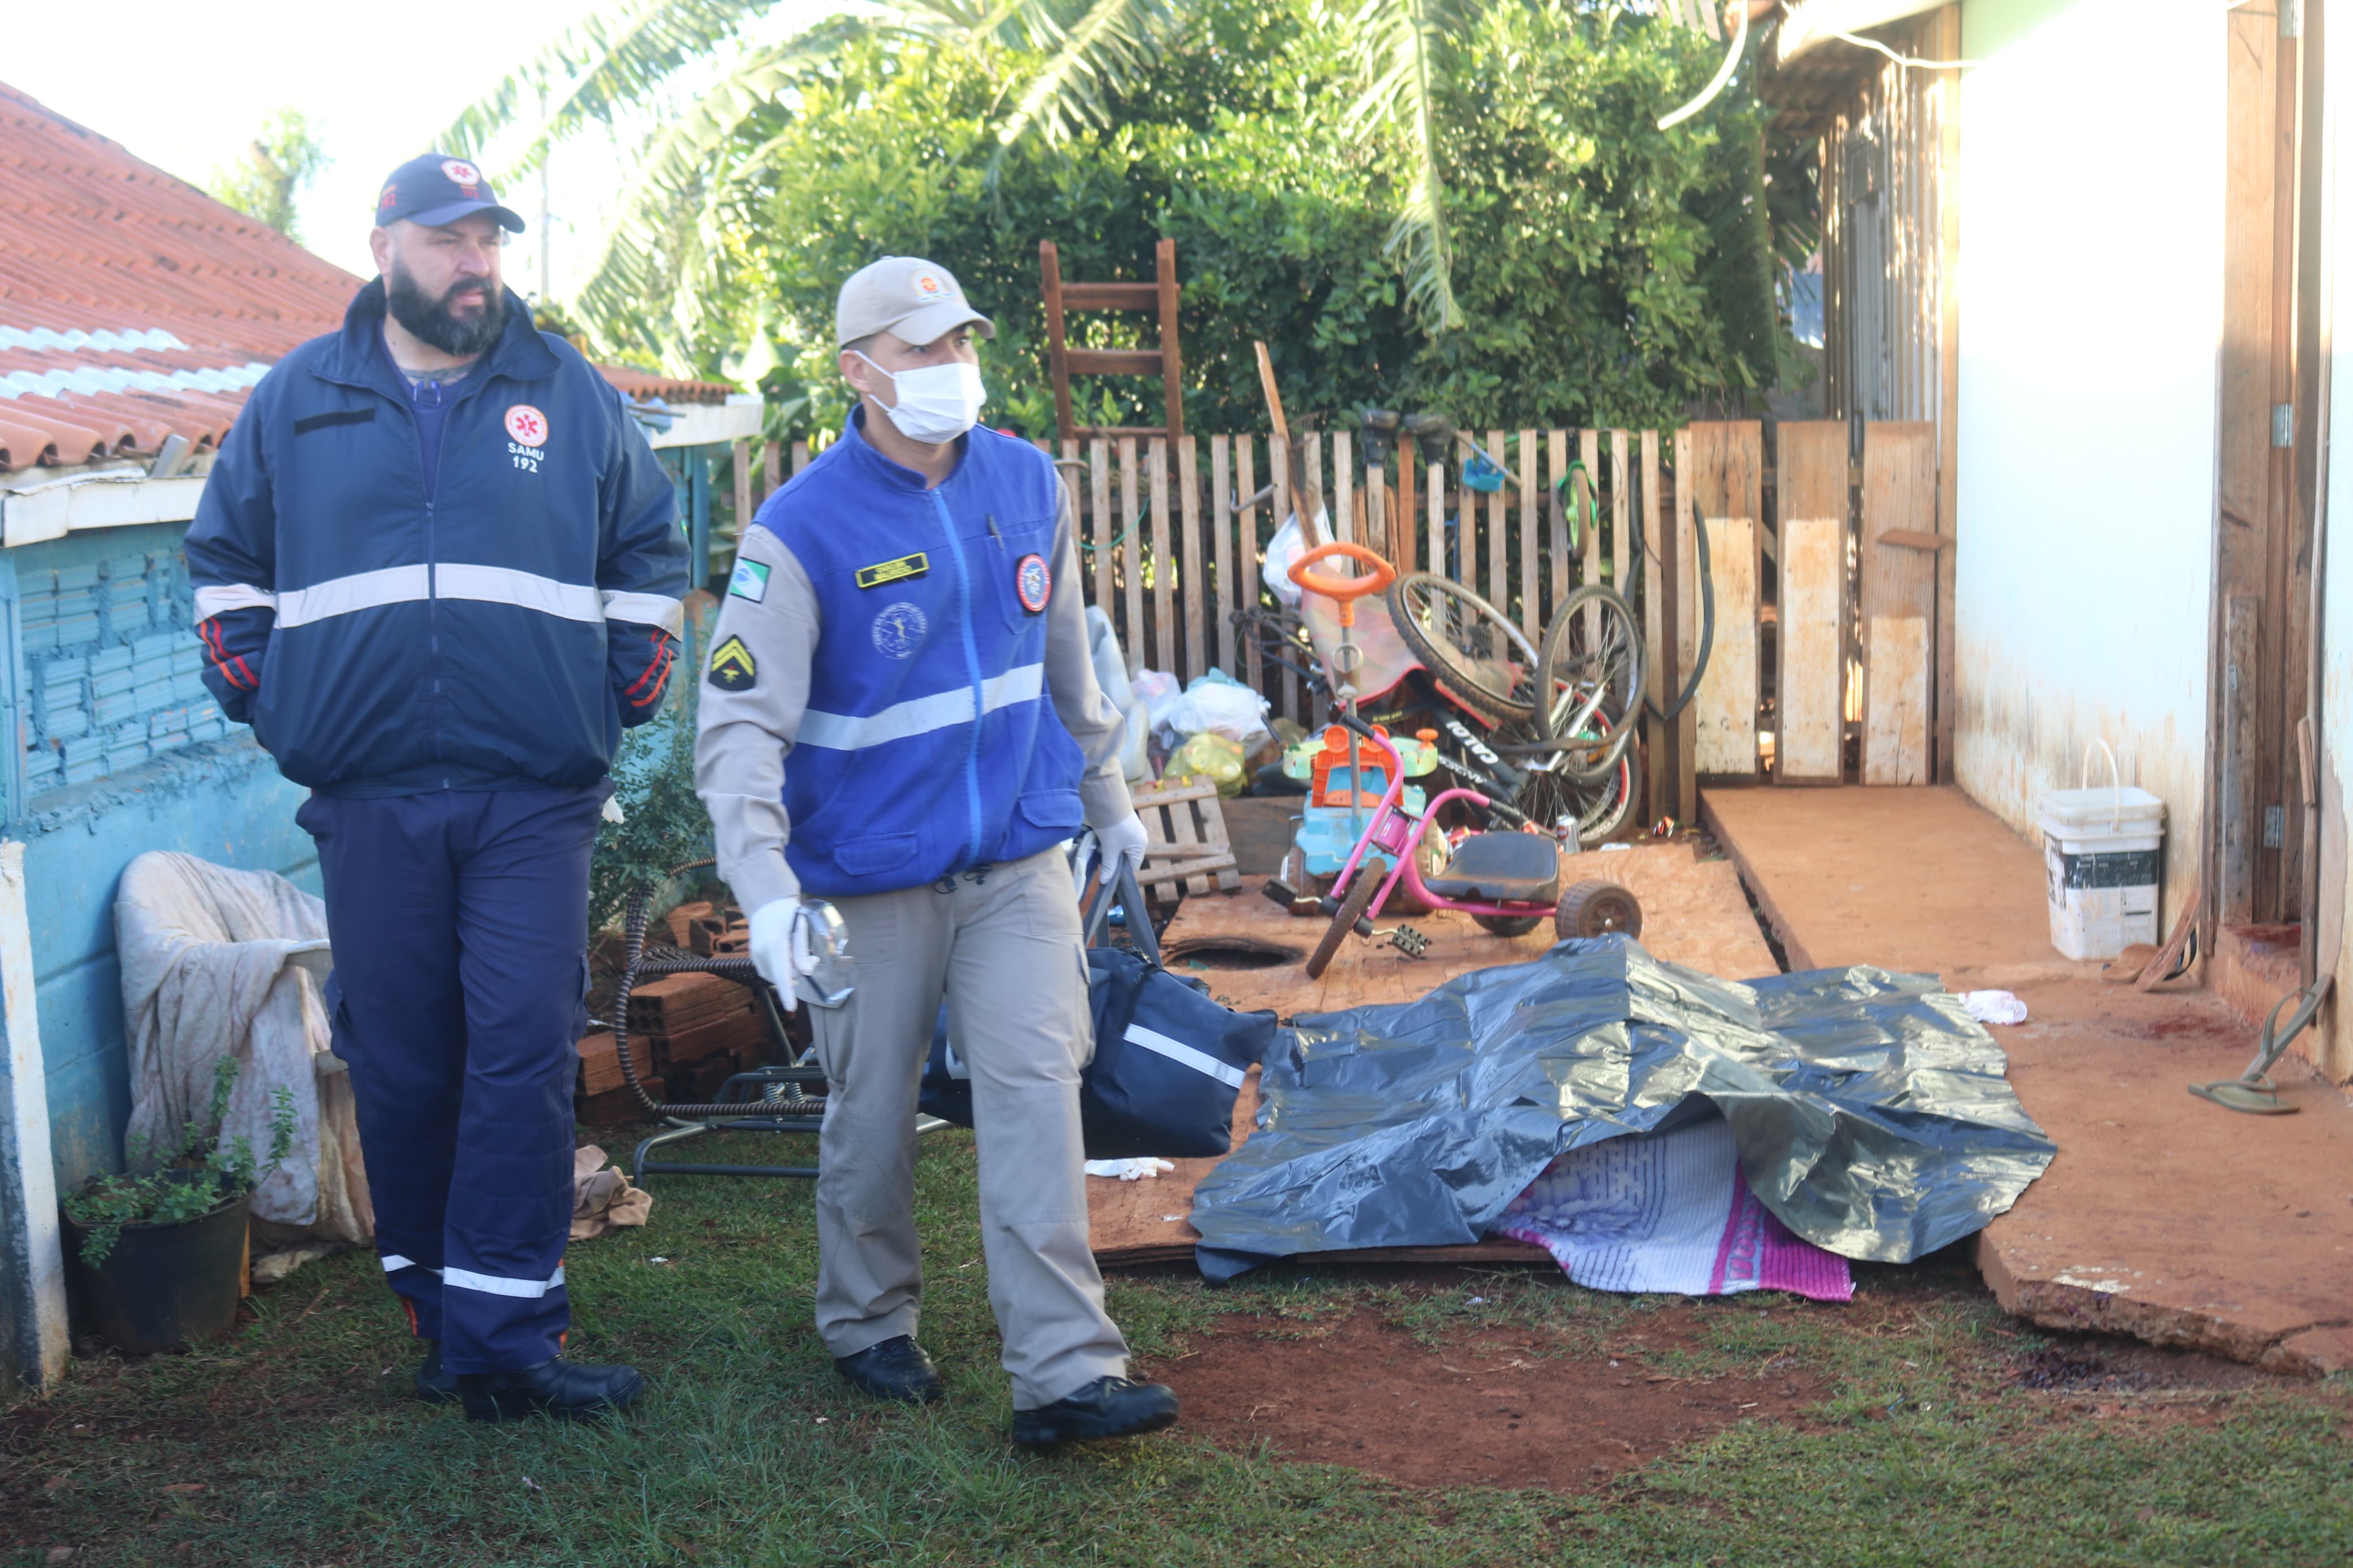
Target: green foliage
(1604,270)
(663,825)
(195,1177)
(281,161)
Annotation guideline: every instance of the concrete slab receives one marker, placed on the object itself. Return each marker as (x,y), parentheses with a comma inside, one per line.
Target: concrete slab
(1921,880)
(2163,1217)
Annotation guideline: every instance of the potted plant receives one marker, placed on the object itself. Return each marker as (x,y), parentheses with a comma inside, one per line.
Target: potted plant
(160,1252)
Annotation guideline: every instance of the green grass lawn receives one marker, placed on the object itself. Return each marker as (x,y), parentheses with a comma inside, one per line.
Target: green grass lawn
(291,1444)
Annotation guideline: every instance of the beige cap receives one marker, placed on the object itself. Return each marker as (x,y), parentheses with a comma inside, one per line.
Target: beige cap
(919,300)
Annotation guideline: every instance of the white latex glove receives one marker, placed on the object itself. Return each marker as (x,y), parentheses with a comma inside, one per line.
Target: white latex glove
(1122,840)
(780,948)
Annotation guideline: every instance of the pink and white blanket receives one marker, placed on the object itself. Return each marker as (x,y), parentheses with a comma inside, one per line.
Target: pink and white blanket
(1668,1211)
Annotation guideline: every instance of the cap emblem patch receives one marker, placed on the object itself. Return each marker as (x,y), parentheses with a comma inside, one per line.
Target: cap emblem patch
(929,286)
(391,193)
(527,425)
(462,173)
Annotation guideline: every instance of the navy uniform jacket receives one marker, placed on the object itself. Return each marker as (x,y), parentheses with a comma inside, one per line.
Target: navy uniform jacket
(498,636)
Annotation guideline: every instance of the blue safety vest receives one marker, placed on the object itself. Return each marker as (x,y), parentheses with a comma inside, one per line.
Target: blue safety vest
(930,745)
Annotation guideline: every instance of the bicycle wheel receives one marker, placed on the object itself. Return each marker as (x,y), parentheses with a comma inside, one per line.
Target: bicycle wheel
(1605,811)
(1468,647)
(1591,671)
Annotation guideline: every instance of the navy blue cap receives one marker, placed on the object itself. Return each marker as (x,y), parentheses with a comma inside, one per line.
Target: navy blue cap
(437,189)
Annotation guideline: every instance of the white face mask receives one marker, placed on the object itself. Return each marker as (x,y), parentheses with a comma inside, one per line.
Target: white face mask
(936,402)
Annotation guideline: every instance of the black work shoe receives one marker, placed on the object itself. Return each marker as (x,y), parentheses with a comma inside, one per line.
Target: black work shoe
(896,1370)
(554,1388)
(433,1385)
(1107,1407)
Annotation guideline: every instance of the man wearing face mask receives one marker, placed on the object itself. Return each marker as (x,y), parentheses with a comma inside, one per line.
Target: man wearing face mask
(438,570)
(900,715)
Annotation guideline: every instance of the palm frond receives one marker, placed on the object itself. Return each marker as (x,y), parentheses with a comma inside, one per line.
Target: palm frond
(670,222)
(612,59)
(1106,49)
(1397,45)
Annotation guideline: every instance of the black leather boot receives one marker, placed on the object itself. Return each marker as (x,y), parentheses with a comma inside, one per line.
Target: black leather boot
(895,1370)
(554,1388)
(433,1385)
(1107,1407)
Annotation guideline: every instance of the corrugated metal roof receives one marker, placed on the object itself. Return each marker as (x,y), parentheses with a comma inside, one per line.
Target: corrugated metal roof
(1809,24)
(135,307)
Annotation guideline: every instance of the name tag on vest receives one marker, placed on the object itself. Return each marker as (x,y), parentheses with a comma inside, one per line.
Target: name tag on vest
(897,571)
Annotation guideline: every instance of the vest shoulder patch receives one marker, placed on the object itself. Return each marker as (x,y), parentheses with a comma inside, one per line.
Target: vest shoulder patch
(733,667)
(749,581)
(898,571)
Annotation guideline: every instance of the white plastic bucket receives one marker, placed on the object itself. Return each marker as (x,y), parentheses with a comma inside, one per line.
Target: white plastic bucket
(2103,850)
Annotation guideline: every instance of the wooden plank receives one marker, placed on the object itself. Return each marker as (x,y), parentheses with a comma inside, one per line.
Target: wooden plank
(1726,477)
(1344,492)
(774,467)
(1683,778)
(1906,538)
(1199,602)
(1896,716)
(2235,761)
(1589,451)
(1105,532)
(1130,519)
(1312,492)
(1246,587)
(1434,485)
(1809,739)
(800,456)
(1113,361)
(1558,502)
(1810,733)
(1499,544)
(1657,593)
(1408,520)
(1228,597)
(1111,296)
(1621,515)
(1164,561)
(1533,609)
(1286,506)
(1899,494)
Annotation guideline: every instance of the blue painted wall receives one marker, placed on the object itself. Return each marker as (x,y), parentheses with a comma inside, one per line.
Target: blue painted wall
(119,751)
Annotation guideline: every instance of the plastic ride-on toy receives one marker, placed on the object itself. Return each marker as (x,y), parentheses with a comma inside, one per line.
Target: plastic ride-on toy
(1507,882)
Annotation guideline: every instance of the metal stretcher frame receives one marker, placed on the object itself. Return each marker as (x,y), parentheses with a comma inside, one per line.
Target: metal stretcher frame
(777,1098)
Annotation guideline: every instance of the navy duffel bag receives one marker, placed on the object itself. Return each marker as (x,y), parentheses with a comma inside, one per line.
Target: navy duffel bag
(1168,1064)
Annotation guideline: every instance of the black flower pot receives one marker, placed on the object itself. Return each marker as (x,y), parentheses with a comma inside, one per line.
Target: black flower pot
(164,1286)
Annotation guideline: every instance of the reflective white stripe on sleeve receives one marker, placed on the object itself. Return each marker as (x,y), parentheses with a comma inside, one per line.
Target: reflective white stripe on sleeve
(504,585)
(360,590)
(1178,1051)
(646,610)
(221,599)
(920,716)
(393,1263)
(497,1284)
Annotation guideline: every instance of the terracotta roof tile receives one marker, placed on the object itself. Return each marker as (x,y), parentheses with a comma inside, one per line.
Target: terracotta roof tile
(94,241)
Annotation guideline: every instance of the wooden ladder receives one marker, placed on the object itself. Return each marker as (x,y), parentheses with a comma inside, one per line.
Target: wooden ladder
(1166,360)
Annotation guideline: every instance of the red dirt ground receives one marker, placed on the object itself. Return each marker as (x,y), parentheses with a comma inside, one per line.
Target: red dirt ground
(1494,1409)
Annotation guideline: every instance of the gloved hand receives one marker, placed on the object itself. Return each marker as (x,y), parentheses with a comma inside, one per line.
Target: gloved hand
(1123,840)
(780,947)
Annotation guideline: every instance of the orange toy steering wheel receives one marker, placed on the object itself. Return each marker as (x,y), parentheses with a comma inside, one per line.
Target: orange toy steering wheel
(1344,591)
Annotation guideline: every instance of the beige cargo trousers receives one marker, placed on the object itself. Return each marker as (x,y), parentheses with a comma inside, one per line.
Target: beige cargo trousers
(1002,944)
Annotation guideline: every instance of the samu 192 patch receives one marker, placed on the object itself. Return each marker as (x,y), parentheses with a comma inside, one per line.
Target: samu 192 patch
(897,571)
(1034,581)
(733,667)
(749,581)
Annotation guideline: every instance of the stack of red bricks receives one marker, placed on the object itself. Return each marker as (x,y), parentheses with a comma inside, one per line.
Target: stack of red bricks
(689,1034)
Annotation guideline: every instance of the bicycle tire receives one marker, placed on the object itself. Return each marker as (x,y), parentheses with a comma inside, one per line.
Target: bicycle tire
(1449,665)
(1352,910)
(1618,628)
(1611,812)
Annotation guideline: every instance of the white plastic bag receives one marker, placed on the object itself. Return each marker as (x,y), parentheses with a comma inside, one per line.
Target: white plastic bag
(1221,704)
(1287,546)
(1158,691)
(1111,674)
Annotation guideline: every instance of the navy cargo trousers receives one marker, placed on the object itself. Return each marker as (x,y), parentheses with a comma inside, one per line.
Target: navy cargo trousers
(461,929)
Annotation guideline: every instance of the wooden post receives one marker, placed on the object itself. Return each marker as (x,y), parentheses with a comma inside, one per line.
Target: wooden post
(1899,597)
(1621,513)
(1683,631)
(1058,362)
(1726,477)
(800,456)
(1130,521)
(1172,358)
(1589,448)
(1221,536)
(1809,733)
(1344,491)
(2241,622)
(1440,565)
(1533,610)
(1499,544)
(776,467)
(1403,542)
(1197,603)
(1106,528)
(1245,582)
(1556,465)
(1947,24)
(742,454)
(1164,624)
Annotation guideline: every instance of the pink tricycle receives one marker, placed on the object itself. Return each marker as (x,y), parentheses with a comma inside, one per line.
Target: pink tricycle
(1505,882)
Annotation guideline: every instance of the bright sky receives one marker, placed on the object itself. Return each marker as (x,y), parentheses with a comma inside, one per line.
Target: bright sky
(186,90)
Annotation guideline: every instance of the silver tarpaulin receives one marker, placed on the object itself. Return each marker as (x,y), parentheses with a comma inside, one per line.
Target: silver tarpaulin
(1872,1116)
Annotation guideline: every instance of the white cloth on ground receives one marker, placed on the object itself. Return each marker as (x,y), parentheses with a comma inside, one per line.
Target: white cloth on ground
(223,962)
(1994,1006)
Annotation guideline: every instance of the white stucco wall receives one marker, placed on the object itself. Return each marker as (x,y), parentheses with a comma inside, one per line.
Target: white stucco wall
(2091,295)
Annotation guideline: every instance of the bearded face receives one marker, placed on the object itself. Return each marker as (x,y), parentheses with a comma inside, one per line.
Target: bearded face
(463,320)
